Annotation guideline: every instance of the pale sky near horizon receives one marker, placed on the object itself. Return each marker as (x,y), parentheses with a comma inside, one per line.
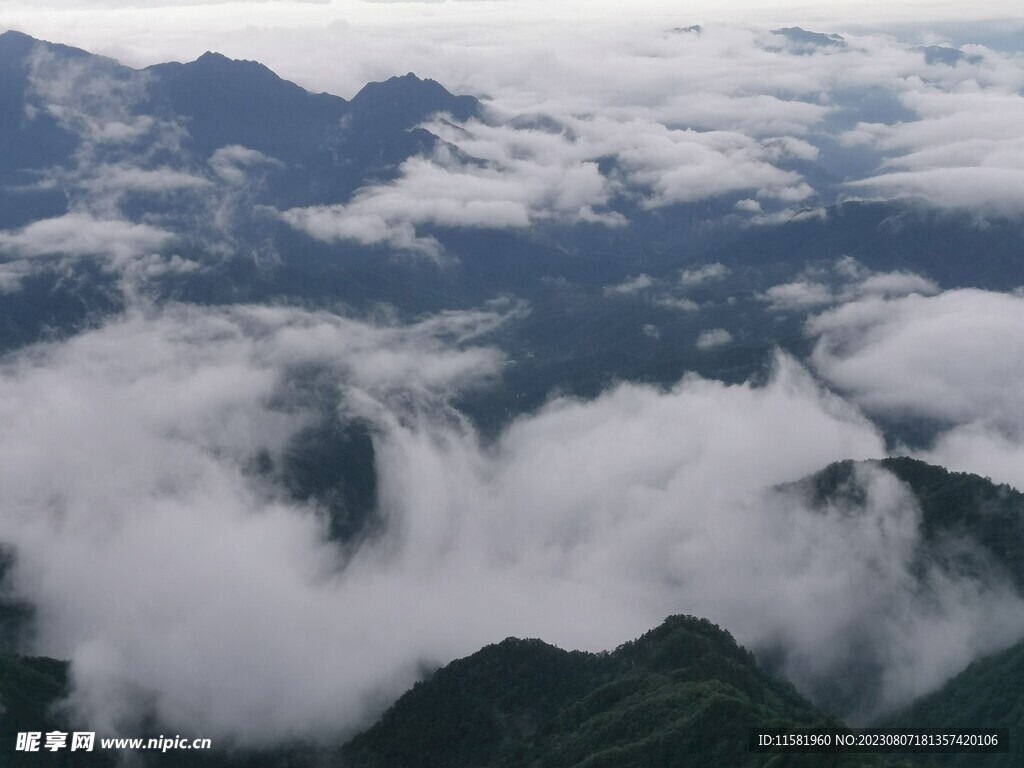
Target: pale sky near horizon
(301,40)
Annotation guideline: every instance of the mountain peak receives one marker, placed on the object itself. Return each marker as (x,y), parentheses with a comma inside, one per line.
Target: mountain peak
(410,99)
(213,59)
(13,34)
(211,56)
(16,45)
(656,700)
(805,40)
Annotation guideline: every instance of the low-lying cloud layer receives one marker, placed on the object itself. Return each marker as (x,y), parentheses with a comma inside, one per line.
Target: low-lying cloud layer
(660,117)
(176,576)
(521,176)
(123,156)
(179,576)
(154,554)
(954,358)
(672,117)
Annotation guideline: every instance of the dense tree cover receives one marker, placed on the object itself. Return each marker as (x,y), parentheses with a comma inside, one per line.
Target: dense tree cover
(988,694)
(29,689)
(970,521)
(683,694)
(969,529)
(961,505)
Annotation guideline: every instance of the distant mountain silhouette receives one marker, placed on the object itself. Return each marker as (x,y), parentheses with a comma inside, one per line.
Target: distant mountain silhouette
(804,41)
(329,145)
(226,102)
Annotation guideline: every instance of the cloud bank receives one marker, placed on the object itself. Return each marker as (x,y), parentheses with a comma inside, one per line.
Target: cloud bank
(178,577)
(952,359)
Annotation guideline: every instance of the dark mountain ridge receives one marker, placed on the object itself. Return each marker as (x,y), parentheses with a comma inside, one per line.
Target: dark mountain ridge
(955,506)
(226,101)
(47,143)
(969,531)
(682,694)
(223,102)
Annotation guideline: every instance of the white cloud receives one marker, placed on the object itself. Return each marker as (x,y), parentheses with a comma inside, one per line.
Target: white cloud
(630,286)
(147,425)
(798,295)
(141,4)
(89,96)
(982,449)
(684,117)
(442,191)
(115,180)
(790,215)
(952,357)
(890,284)
(12,273)
(714,338)
(963,151)
(530,175)
(583,523)
(754,114)
(666,301)
(123,158)
(703,274)
(991,190)
(79,234)
(233,163)
(686,166)
(808,292)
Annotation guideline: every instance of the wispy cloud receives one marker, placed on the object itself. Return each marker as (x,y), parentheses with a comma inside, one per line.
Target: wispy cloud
(716,337)
(631,286)
(79,234)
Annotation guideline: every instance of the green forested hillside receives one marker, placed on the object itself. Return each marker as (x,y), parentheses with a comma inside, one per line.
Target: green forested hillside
(683,694)
(959,504)
(29,688)
(956,507)
(988,694)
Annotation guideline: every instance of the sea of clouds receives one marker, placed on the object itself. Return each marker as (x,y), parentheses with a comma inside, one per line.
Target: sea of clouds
(178,578)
